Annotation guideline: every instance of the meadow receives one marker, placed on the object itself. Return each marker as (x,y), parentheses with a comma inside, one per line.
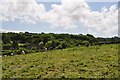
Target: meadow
(78,62)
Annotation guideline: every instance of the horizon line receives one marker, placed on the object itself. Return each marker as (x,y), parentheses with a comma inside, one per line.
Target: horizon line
(61,33)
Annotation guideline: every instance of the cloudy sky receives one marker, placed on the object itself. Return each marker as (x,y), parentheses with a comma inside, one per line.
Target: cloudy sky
(60,16)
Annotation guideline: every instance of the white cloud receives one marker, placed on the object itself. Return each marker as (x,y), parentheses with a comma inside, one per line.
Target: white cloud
(104,20)
(66,15)
(23,11)
(71,12)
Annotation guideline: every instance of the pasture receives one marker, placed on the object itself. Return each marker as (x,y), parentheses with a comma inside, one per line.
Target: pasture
(78,62)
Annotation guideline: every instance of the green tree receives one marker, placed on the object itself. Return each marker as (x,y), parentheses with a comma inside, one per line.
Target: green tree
(62,45)
(48,45)
(15,45)
(86,43)
(41,44)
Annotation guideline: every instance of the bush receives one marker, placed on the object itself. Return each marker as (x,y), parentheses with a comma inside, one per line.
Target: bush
(48,45)
(17,51)
(34,48)
(15,45)
(22,45)
(41,44)
(59,46)
(6,52)
(7,46)
(86,43)
(23,49)
(62,45)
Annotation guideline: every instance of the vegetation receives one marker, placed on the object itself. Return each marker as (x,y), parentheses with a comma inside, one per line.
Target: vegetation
(78,62)
(58,56)
(30,42)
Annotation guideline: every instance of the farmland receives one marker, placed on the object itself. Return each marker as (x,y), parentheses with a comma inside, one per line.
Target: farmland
(78,62)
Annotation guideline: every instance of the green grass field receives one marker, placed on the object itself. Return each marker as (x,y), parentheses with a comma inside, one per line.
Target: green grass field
(79,62)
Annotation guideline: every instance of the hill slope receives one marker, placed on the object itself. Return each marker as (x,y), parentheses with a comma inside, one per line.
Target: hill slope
(79,62)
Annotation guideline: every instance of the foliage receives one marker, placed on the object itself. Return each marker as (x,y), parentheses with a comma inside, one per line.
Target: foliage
(52,41)
(41,44)
(15,45)
(86,43)
(6,46)
(48,45)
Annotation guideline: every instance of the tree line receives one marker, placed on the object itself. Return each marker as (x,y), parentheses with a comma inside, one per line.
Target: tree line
(49,41)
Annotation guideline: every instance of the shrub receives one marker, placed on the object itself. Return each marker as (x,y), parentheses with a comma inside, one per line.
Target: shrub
(15,45)
(34,48)
(7,46)
(62,45)
(86,43)
(48,45)
(25,50)
(59,46)
(17,51)
(22,45)
(6,52)
(41,44)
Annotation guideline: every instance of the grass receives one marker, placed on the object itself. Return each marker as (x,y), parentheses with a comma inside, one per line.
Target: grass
(79,62)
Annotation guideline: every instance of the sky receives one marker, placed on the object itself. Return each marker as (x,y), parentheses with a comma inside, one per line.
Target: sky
(67,16)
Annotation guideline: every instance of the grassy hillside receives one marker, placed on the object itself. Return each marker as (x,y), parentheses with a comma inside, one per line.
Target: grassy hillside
(79,62)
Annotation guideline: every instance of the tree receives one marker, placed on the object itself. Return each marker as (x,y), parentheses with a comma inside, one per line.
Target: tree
(86,43)
(48,45)
(35,40)
(62,45)
(55,43)
(5,38)
(41,44)
(15,45)
(89,35)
